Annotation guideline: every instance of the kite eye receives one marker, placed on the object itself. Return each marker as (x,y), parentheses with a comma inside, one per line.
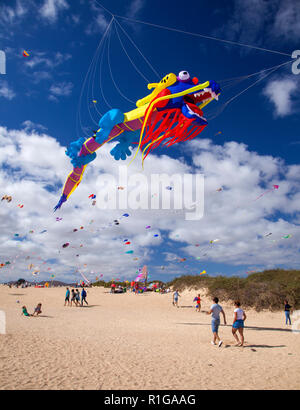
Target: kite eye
(184,75)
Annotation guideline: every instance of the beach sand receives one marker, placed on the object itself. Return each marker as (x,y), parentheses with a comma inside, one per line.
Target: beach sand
(134,342)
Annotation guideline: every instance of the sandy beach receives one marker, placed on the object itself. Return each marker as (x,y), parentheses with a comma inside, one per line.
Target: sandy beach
(128,341)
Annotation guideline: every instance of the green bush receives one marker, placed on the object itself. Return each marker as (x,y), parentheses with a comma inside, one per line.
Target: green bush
(260,290)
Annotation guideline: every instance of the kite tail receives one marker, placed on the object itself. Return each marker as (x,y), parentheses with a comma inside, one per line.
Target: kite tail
(62,199)
(82,151)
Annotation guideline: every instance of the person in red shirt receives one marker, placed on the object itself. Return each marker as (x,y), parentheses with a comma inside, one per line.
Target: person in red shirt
(197,299)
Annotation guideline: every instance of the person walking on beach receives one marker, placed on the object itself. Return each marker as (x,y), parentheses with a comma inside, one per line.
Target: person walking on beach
(77,297)
(197,299)
(287,309)
(73,297)
(215,311)
(238,323)
(67,297)
(83,297)
(175,297)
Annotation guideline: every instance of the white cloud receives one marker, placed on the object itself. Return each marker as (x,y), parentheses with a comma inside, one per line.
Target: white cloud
(11,15)
(135,7)
(61,89)
(47,59)
(51,9)
(280,92)
(259,22)
(99,22)
(30,125)
(287,20)
(33,167)
(6,91)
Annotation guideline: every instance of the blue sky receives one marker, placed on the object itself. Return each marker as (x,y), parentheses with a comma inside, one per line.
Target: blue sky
(250,143)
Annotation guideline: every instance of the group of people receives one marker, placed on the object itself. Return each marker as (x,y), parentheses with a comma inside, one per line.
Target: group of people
(37,311)
(73,297)
(239,317)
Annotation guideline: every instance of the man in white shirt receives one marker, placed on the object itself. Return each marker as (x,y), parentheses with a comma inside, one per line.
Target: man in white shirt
(215,311)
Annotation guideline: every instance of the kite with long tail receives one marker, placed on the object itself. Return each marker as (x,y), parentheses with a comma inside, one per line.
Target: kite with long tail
(172,113)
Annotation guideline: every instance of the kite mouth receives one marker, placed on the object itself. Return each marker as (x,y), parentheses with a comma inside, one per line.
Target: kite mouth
(203,96)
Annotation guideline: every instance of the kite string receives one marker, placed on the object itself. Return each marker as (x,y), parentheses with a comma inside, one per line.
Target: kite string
(111,74)
(84,83)
(203,36)
(132,42)
(250,86)
(136,68)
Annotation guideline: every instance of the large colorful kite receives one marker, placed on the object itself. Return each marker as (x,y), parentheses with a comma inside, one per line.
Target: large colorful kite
(172,113)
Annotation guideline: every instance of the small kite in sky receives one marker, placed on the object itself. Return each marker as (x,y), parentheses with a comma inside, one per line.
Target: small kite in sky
(7,198)
(269,190)
(65,245)
(25,54)
(58,219)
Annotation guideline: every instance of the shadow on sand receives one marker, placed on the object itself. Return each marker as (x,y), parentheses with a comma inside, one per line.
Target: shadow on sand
(276,329)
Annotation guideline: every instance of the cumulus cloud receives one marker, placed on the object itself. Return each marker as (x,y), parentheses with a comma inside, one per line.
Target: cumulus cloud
(6,91)
(63,89)
(51,8)
(281,93)
(33,168)
(135,7)
(258,22)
